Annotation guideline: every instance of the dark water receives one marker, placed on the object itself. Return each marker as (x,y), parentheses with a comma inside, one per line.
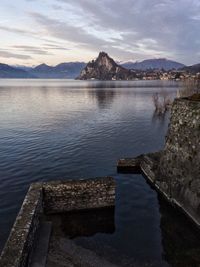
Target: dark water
(70,129)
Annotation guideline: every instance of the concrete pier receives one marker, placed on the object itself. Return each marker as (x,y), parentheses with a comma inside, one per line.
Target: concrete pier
(56,197)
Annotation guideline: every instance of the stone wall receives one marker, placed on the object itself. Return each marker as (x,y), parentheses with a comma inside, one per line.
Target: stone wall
(79,195)
(179,166)
(52,197)
(18,248)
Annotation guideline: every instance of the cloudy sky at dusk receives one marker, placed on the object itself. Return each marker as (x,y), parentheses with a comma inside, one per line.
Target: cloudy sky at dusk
(54,31)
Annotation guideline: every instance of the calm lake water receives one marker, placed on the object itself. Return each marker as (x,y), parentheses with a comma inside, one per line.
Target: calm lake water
(61,129)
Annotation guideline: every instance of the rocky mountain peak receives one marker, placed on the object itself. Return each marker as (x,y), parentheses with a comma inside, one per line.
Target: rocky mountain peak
(105,61)
(104,68)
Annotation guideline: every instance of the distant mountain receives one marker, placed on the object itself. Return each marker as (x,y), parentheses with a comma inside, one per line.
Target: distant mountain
(43,68)
(67,70)
(192,69)
(160,63)
(22,67)
(43,71)
(70,69)
(7,71)
(105,68)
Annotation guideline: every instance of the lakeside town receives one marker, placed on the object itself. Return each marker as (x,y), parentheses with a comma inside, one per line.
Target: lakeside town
(176,75)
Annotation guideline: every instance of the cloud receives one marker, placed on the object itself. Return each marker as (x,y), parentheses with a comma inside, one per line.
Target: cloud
(65,31)
(128,29)
(55,47)
(31,49)
(5,54)
(41,50)
(15,30)
(173,25)
(99,38)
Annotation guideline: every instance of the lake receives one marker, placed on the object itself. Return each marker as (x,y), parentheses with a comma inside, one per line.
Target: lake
(64,129)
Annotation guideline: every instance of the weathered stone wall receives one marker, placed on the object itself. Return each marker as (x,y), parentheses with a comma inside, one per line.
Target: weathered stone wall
(52,197)
(18,249)
(179,166)
(79,194)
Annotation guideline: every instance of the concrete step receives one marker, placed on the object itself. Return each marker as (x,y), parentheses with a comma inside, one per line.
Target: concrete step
(40,252)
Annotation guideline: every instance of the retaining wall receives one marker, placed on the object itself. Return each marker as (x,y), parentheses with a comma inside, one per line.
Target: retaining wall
(175,171)
(179,165)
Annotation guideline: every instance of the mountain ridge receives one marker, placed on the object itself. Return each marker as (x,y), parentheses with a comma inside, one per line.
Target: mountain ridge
(159,63)
(7,71)
(193,68)
(71,70)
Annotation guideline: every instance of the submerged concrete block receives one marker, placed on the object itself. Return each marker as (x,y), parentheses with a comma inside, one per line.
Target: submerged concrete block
(129,165)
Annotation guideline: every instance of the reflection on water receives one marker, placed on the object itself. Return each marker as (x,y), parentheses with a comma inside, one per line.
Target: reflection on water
(104,98)
(86,84)
(91,230)
(180,239)
(161,118)
(88,223)
(73,129)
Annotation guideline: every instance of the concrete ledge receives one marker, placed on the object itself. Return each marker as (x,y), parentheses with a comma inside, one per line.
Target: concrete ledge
(52,197)
(133,165)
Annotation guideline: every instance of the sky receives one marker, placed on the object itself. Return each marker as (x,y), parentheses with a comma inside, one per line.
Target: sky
(55,31)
